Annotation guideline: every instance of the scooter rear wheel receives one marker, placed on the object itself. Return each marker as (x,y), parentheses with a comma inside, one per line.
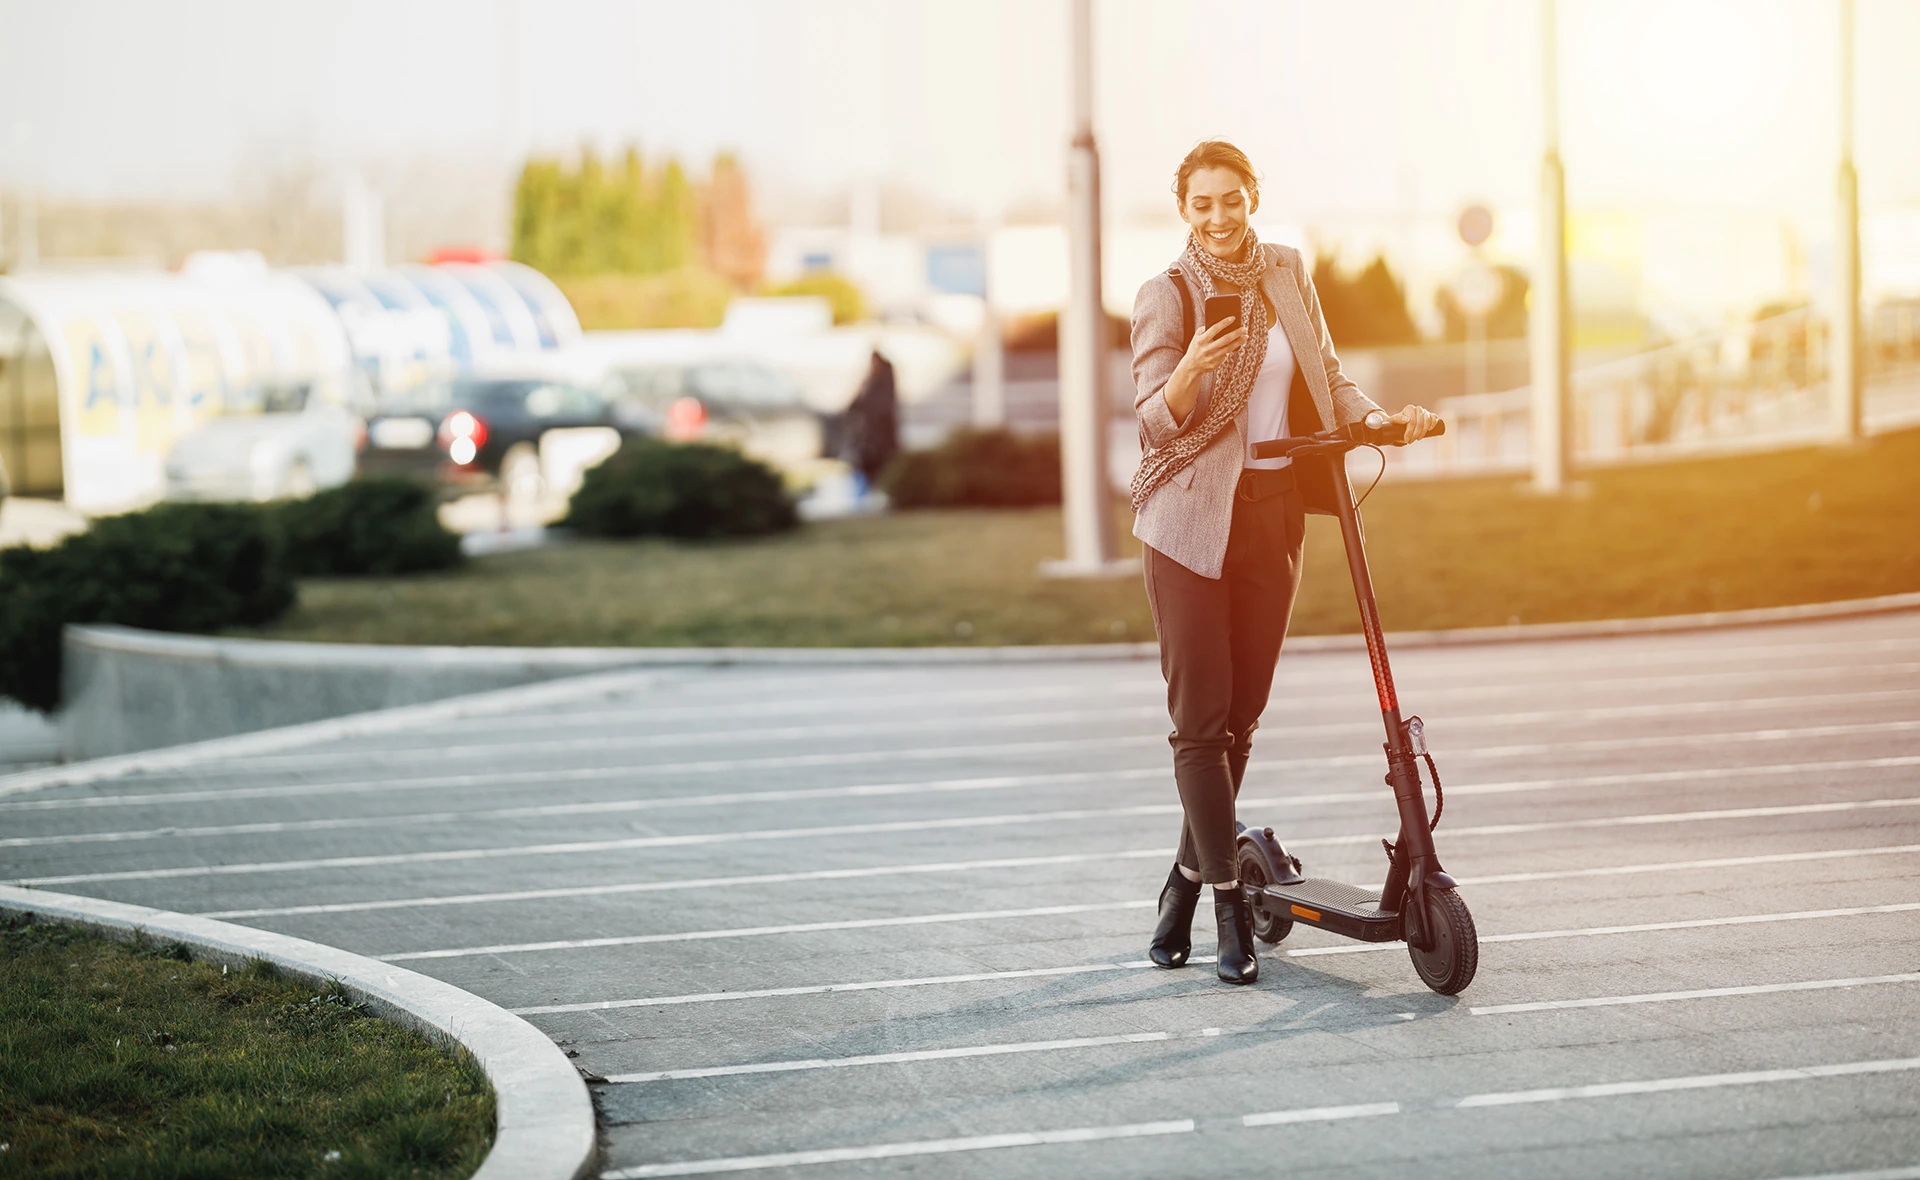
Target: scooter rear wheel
(1448,968)
(1255,875)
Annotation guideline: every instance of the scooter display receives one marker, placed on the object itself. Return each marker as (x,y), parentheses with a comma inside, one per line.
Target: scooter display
(1419,903)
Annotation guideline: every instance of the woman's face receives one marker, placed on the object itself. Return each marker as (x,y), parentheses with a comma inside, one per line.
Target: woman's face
(1217,207)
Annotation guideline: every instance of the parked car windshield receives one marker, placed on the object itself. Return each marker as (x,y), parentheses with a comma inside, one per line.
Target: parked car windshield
(538,399)
(288,398)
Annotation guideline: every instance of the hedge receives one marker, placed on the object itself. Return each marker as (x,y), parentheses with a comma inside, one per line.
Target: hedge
(977,468)
(688,490)
(176,567)
(385,525)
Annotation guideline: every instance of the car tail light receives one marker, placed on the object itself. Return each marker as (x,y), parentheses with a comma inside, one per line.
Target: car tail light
(686,417)
(463,434)
(359,434)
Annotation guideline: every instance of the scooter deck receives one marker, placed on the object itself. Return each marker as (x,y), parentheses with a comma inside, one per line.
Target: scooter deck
(1346,910)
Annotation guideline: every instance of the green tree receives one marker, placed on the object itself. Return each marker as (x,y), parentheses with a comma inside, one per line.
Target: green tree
(1366,310)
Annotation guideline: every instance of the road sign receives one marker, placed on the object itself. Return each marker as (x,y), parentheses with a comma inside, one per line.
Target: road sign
(1475,225)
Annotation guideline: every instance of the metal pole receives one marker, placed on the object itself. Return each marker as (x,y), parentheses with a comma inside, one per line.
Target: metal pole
(1085,498)
(1551,362)
(1845,353)
(989,363)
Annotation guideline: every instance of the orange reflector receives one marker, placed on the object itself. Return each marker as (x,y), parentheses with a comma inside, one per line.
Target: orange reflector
(1301,911)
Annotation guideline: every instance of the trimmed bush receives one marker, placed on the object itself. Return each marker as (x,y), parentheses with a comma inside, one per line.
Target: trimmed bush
(367,526)
(977,468)
(175,567)
(689,490)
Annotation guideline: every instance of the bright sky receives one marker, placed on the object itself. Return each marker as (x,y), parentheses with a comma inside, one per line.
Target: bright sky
(1349,109)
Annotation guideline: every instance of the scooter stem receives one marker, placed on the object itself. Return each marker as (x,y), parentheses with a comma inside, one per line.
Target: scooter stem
(1414,860)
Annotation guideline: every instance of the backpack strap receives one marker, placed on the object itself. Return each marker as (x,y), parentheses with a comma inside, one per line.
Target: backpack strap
(1186,306)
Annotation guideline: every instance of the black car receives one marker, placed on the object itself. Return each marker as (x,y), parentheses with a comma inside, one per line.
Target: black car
(515,434)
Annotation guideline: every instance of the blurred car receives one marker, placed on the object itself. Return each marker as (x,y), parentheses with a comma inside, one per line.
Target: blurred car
(760,410)
(525,436)
(270,442)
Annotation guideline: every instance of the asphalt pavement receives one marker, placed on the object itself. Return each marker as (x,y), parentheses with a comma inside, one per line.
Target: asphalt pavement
(891,920)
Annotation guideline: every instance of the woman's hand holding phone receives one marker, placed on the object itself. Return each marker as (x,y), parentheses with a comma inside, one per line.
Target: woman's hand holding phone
(1212,345)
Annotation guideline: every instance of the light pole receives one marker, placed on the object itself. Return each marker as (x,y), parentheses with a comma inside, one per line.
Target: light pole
(1844,394)
(1084,496)
(1551,363)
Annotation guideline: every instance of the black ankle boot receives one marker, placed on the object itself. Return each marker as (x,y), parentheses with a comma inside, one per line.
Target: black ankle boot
(1173,937)
(1235,914)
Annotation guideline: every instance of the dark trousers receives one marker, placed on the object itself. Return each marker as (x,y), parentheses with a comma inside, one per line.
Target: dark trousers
(1219,642)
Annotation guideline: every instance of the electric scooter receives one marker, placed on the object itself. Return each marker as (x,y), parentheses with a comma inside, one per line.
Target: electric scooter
(1419,902)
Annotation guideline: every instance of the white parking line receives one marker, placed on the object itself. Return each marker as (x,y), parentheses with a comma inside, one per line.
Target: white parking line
(1908,1173)
(1700,775)
(442,750)
(788,1159)
(987,915)
(1638,928)
(957,822)
(1710,1081)
(884,1151)
(966,866)
(906,1058)
(824,988)
(1012,749)
(1705,993)
(1319,1114)
(756,931)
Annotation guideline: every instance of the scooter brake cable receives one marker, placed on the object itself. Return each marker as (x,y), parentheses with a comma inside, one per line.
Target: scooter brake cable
(1376,475)
(1439,799)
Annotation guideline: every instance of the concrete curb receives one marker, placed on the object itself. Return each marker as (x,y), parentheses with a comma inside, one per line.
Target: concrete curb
(544,1117)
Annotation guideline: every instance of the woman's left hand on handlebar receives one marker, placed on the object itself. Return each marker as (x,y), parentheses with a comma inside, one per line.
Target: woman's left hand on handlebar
(1416,421)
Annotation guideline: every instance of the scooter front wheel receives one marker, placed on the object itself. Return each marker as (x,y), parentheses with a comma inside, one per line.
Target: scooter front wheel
(1448,968)
(1256,874)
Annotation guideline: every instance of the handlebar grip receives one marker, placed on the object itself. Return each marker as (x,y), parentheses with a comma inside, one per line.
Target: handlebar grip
(1439,428)
(1276,448)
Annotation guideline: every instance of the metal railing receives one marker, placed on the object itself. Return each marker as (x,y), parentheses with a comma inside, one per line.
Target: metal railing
(1753,386)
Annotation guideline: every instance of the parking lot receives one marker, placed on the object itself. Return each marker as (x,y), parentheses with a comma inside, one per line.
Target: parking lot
(891,920)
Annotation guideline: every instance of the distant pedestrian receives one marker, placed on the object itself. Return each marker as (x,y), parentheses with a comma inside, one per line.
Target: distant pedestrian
(870,429)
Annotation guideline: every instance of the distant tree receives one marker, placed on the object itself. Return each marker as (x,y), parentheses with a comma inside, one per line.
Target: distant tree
(593,219)
(731,241)
(1507,320)
(1367,310)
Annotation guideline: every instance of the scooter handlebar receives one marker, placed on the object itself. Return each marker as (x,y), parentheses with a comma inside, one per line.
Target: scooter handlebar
(1343,439)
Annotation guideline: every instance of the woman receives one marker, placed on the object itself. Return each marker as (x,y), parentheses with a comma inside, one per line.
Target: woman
(1222,530)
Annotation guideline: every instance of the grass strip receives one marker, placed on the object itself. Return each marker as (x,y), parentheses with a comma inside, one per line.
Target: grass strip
(131,1060)
(1809,525)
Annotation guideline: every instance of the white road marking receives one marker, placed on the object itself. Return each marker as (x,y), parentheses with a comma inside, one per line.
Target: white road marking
(1701,775)
(955,866)
(743,1163)
(824,988)
(1723,862)
(1909,1173)
(958,822)
(987,915)
(1638,928)
(1012,749)
(757,931)
(1708,1081)
(442,750)
(883,1151)
(1705,993)
(909,1057)
(964,866)
(1319,1114)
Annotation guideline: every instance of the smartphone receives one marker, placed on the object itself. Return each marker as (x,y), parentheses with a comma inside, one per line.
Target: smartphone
(1222,307)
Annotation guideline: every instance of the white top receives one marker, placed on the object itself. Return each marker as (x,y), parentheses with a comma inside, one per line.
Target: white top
(1267,400)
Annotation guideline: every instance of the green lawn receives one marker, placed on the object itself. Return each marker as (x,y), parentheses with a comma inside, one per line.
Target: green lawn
(121,1061)
(1799,526)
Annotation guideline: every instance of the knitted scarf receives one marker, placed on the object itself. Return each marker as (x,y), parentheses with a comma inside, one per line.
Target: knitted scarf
(1231,381)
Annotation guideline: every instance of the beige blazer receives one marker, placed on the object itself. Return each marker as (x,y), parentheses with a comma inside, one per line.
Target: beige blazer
(1188,517)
